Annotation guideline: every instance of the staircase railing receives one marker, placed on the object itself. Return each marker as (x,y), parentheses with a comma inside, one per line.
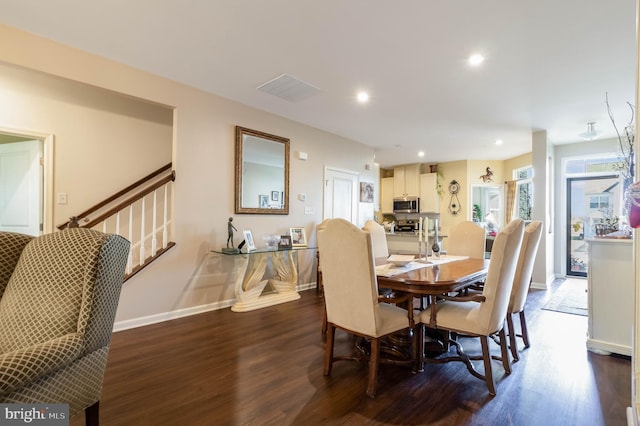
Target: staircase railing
(127,213)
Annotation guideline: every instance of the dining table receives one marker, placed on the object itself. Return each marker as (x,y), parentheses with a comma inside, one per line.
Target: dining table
(430,277)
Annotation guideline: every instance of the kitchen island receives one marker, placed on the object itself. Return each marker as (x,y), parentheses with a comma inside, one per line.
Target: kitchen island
(407,242)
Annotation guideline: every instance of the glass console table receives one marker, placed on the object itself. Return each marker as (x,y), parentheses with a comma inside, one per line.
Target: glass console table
(251,285)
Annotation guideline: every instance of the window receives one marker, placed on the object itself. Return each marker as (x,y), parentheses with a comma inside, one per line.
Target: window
(524,192)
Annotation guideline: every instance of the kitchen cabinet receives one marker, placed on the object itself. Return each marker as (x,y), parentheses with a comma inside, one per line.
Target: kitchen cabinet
(611,295)
(406,181)
(429,199)
(386,195)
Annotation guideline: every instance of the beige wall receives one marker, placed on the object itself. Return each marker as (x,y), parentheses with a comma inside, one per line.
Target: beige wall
(203,156)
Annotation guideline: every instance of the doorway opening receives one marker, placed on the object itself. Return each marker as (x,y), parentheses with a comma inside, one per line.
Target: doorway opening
(25,182)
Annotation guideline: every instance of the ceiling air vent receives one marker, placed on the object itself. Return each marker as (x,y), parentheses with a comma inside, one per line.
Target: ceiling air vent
(289,88)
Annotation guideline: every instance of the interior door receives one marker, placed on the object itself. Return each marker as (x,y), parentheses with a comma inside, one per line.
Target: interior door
(341,195)
(589,200)
(20,187)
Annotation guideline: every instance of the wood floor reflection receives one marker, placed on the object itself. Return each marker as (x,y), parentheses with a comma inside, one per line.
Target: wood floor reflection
(265,368)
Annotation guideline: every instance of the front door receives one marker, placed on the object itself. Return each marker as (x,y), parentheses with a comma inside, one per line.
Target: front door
(590,200)
(20,187)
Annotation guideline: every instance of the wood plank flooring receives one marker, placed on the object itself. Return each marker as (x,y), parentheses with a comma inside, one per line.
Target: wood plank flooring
(265,368)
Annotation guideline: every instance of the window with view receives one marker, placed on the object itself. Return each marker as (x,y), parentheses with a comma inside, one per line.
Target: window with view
(524,192)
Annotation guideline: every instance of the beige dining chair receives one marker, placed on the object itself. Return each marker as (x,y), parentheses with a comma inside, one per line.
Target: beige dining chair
(466,239)
(481,315)
(351,294)
(521,282)
(378,241)
(319,227)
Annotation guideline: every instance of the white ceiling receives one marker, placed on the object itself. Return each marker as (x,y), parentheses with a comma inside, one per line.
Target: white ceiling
(548,63)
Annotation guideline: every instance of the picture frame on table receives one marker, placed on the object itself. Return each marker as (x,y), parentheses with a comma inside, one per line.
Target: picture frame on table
(298,237)
(275,195)
(248,237)
(285,242)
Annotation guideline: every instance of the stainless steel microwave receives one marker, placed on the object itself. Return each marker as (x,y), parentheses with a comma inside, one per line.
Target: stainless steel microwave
(406,205)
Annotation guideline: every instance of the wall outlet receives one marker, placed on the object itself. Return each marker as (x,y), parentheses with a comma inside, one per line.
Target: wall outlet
(62,198)
(308,210)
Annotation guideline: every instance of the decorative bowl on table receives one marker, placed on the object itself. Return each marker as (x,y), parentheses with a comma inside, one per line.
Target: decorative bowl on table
(400,259)
(271,240)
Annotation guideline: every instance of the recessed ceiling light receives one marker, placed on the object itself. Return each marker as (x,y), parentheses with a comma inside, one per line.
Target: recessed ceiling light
(421,154)
(475,59)
(363,97)
(498,141)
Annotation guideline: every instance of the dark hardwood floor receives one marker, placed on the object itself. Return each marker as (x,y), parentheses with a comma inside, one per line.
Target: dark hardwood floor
(265,368)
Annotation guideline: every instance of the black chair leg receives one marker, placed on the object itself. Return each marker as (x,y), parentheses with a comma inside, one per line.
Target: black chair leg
(92,414)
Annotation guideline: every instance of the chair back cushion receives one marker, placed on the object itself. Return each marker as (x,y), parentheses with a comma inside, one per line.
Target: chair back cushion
(349,277)
(11,246)
(64,282)
(524,268)
(378,239)
(466,239)
(497,286)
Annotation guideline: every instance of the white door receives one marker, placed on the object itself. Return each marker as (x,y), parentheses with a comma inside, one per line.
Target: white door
(340,195)
(20,187)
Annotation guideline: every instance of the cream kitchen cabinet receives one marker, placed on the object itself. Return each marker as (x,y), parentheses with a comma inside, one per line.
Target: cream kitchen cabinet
(429,199)
(386,195)
(406,181)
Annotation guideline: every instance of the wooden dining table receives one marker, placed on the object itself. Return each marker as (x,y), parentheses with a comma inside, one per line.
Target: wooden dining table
(430,280)
(436,279)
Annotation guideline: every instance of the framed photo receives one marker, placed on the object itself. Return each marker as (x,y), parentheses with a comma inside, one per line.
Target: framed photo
(264,201)
(298,237)
(366,192)
(248,237)
(285,242)
(275,195)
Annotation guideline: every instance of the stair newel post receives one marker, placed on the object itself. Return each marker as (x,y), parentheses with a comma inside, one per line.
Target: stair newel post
(130,259)
(154,228)
(164,218)
(142,225)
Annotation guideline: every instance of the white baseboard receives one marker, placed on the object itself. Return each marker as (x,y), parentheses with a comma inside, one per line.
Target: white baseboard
(180,313)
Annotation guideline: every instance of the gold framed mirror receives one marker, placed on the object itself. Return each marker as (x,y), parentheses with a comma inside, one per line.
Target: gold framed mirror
(262,173)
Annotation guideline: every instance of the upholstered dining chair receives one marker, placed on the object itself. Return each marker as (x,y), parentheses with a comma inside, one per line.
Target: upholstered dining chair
(59,294)
(378,240)
(481,315)
(351,294)
(466,239)
(521,282)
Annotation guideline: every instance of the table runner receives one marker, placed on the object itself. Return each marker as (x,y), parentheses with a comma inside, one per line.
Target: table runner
(389,269)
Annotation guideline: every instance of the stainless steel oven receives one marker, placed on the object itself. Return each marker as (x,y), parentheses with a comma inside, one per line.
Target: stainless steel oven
(406,205)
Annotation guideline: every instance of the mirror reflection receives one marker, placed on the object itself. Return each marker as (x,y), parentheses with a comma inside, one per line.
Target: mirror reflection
(487,206)
(262,172)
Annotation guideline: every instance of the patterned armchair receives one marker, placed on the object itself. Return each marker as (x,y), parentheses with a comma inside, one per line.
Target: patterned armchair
(58,298)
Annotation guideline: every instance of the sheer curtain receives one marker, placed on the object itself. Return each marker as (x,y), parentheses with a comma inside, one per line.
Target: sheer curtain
(510,200)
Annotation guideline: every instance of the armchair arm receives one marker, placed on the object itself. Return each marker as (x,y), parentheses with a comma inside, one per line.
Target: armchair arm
(17,368)
(396,299)
(473,298)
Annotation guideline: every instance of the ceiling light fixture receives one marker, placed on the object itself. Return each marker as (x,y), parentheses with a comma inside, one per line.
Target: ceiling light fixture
(363,97)
(498,141)
(476,59)
(591,132)
(421,154)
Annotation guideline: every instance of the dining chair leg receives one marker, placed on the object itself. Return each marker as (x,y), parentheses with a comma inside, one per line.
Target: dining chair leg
(486,356)
(328,355)
(523,326)
(505,351)
(513,343)
(324,321)
(373,368)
